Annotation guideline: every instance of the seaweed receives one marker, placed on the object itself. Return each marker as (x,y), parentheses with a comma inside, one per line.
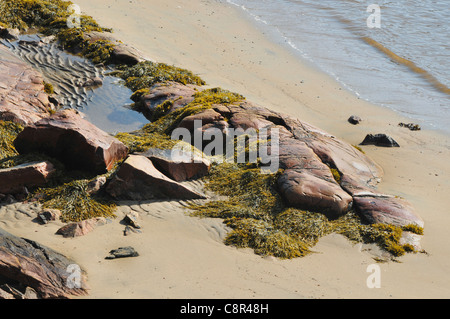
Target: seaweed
(259,218)
(75,202)
(147,73)
(8,133)
(48,88)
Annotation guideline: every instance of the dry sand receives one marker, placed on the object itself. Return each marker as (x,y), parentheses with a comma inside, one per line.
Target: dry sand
(184,257)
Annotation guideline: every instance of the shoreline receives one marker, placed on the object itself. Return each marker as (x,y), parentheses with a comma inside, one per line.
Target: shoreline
(410,171)
(177,239)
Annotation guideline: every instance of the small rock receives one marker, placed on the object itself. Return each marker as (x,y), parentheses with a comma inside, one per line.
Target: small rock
(81,228)
(354,119)
(97,81)
(132,220)
(49,215)
(5,295)
(30,293)
(410,126)
(122,252)
(8,33)
(129,230)
(380,140)
(95,185)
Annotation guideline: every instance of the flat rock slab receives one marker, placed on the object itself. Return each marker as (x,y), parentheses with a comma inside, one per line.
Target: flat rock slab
(138,179)
(73,140)
(22,96)
(122,252)
(14,180)
(179,165)
(38,267)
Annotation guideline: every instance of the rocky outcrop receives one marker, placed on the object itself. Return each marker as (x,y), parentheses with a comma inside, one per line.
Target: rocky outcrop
(307,156)
(138,179)
(73,140)
(22,96)
(38,267)
(16,180)
(179,166)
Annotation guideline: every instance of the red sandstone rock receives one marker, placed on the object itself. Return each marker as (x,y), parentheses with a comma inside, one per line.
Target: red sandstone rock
(75,141)
(14,180)
(38,267)
(81,228)
(181,166)
(22,96)
(138,179)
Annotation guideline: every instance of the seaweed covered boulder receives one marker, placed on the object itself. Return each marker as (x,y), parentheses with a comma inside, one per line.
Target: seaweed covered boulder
(16,180)
(138,179)
(170,96)
(22,96)
(73,140)
(41,268)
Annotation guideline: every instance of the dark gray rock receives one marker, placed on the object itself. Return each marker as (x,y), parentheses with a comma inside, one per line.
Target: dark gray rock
(379,140)
(354,119)
(122,252)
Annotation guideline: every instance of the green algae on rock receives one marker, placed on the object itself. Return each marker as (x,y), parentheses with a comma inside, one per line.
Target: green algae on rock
(145,74)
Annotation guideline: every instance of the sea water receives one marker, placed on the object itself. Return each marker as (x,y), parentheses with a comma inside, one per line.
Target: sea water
(397,56)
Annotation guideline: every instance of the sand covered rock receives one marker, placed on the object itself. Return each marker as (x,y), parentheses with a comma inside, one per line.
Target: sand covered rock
(179,166)
(138,179)
(16,179)
(22,96)
(73,140)
(39,267)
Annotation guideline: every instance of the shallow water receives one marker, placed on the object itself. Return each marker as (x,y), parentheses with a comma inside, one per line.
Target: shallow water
(106,106)
(403,65)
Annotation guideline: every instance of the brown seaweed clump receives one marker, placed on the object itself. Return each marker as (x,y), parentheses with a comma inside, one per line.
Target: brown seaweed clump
(260,220)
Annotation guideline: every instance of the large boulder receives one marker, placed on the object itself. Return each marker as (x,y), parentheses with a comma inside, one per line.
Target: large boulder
(387,209)
(304,190)
(73,140)
(22,96)
(179,166)
(16,179)
(41,268)
(138,179)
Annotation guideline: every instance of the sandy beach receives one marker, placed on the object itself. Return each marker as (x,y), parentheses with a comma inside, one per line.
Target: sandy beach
(185,257)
